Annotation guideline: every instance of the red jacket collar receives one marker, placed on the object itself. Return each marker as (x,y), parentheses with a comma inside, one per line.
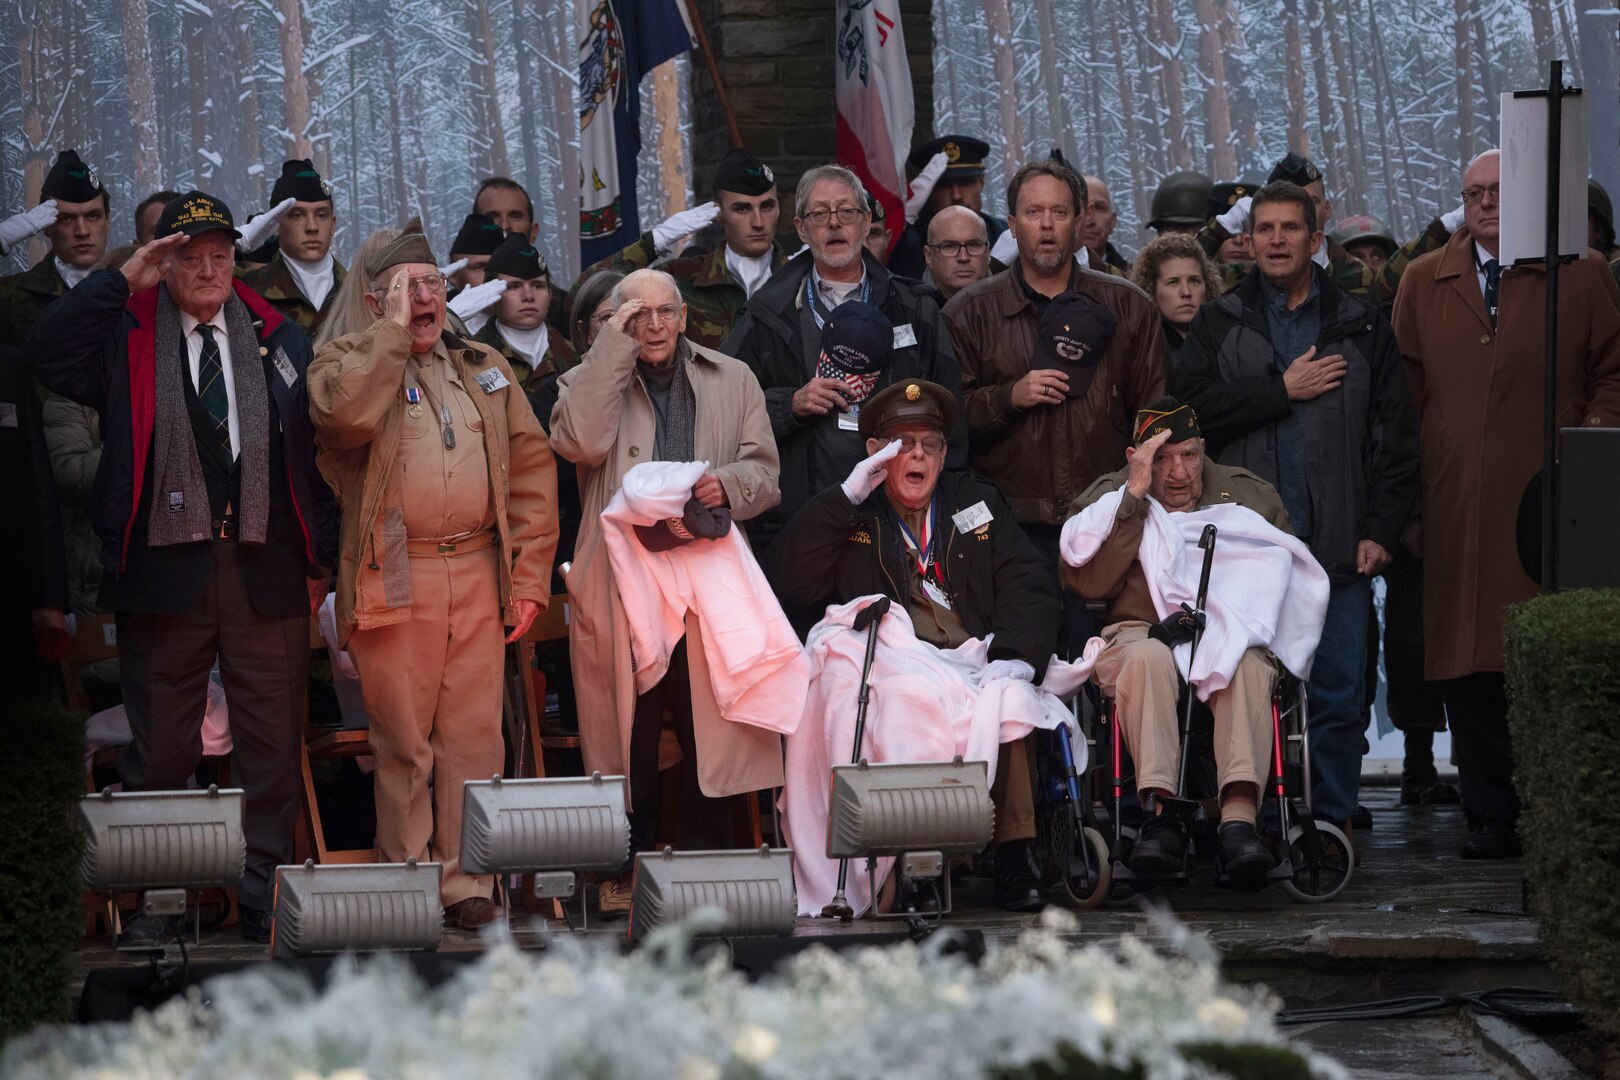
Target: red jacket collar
(143,305)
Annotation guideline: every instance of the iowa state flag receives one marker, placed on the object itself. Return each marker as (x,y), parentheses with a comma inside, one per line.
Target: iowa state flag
(874,102)
(619,42)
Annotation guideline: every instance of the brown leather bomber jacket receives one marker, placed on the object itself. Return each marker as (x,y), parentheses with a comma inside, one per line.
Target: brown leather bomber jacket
(1043,458)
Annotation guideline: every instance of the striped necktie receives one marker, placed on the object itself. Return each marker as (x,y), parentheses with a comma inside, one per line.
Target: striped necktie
(211,387)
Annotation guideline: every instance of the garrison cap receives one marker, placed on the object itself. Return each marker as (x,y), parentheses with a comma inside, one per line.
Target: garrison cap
(71,180)
(479,235)
(517,257)
(195,213)
(964,156)
(299,180)
(697,522)
(911,401)
(1296,169)
(740,171)
(410,247)
(1165,414)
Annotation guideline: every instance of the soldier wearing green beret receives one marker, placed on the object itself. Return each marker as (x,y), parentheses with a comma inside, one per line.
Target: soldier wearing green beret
(518,329)
(302,277)
(78,235)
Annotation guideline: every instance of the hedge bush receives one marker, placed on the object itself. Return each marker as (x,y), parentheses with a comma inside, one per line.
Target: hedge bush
(39,865)
(1563,671)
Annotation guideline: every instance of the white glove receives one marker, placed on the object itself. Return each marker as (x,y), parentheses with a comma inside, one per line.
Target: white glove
(1021,670)
(258,229)
(1452,219)
(868,475)
(475,298)
(685,223)
(923,186)
(459,264)
(1005,249)
(19,227)
(1236,220)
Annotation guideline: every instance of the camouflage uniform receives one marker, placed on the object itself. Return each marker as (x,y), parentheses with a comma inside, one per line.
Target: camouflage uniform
(275,283)
(714,297)
(1348,272)
(23,296)
(559,355)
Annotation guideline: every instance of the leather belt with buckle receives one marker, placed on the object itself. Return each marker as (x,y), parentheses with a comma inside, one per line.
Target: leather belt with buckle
(476,542)
(224,529)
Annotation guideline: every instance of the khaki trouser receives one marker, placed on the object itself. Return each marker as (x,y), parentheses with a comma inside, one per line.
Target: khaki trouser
(1013,793)
(1139,673)
(432,685)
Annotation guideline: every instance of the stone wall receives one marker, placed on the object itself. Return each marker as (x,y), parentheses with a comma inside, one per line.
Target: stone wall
(776,57)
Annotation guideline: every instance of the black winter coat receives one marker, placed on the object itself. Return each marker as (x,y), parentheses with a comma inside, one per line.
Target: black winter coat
(1360,439)
(832,552)
(769,339)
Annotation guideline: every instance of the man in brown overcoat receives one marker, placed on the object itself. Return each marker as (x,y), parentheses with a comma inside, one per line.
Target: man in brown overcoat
(1471,334)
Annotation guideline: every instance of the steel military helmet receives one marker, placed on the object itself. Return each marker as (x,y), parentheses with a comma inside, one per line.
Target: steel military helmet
(1364,228)
(1181,199)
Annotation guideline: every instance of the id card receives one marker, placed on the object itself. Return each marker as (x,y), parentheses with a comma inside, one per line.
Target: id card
(289,374)
(904,335)
(936,594)
(491,380)
(849,420)
(974,516)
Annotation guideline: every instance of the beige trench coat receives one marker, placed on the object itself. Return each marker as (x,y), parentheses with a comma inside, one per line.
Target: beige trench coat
(1478,396)
(604,423)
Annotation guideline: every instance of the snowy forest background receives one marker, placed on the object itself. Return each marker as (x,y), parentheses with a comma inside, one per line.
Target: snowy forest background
(404,104)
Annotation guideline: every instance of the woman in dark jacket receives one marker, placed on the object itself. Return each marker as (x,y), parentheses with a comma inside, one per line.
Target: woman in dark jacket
(1180,278)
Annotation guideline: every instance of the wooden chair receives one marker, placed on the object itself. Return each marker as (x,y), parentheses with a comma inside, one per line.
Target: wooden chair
(550,625)
(326,744)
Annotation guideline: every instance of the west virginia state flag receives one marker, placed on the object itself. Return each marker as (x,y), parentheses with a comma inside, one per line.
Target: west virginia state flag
(874,101)
(619,42)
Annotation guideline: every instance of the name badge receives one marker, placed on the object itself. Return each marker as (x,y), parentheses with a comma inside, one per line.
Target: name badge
(972,518)
(491,380)
(8,414)
(849,419)
(936,594)
(904,335)
(289,374)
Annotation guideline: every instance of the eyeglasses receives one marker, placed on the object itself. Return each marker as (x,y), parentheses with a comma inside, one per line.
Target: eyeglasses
(666,314)
(932,445)
(846,215)
(1473,195)
(949,248)
(435,284)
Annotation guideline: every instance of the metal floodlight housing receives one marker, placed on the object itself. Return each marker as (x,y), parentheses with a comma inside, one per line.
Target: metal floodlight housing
(162,839)
(566,823)
(356,906)
(939,806)
(754,889)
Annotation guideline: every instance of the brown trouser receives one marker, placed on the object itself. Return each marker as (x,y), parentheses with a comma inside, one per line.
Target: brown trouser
(1013,792)
(1139,673)
(432,685)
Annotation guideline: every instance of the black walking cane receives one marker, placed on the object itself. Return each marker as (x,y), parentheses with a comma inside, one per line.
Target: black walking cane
(1207,542)
(867,619)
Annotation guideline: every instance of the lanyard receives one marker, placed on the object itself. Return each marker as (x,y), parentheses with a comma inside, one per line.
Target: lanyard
(814,301)
(923,552)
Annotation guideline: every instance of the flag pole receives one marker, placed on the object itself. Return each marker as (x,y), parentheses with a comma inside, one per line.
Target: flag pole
(714,72)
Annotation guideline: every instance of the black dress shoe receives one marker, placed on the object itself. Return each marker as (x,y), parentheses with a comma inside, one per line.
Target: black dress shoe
(1161,847)
(1018,886)
(148,932)
(1243,853)
(1361,818)
(1427,789)
(1492,842)
(255,924)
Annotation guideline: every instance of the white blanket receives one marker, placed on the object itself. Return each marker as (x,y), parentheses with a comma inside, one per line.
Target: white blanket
(1265,588)
(756,666)
(926,704)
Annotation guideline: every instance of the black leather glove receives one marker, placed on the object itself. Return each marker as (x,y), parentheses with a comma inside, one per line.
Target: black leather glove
(1177,627)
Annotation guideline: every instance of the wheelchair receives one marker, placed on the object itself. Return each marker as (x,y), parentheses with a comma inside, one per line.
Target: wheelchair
(1084,822)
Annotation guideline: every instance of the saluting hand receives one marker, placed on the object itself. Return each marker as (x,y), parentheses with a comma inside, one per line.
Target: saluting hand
(144,269)
(397,298)
(625,317)
(1140,480)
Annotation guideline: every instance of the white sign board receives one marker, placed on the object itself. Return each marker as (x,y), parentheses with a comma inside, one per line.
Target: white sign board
(1524,178)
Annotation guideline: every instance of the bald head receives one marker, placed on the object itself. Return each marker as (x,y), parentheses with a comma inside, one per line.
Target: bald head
(1482,199)
(1097,223)
(958,249)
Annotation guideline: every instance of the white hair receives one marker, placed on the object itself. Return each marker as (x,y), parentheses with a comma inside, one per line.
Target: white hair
(638,276)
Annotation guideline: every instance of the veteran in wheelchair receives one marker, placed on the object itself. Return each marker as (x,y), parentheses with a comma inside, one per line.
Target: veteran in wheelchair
(1133,542)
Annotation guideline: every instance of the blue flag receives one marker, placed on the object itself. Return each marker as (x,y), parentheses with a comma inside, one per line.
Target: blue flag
(620,41)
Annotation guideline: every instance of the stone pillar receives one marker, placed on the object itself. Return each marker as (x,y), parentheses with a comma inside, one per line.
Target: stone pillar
(776,57)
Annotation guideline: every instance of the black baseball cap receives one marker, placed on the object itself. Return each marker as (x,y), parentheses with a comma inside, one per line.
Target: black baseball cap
(858,339)
(1075,332)
(195,213)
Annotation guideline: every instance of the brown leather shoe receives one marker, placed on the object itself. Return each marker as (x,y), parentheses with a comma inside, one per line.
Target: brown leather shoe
(613,896)
(471,913)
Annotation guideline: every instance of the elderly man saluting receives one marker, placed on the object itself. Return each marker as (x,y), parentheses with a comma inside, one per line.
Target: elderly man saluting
(946,545)
(1168,473)
(449,495)
(645,393)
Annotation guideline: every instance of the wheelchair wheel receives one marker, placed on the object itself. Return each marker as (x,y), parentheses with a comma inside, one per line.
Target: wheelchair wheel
(1061,862)
(1328,879)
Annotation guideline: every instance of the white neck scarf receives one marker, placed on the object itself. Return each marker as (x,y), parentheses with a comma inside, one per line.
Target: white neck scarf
(529,344)
(752,272)
(71,274)
(314,279)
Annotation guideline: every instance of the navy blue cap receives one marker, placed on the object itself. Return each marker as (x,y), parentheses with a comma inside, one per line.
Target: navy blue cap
(858,338)
(1075,332)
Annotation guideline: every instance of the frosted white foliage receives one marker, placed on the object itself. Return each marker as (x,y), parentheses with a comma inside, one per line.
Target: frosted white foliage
(580,1009)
